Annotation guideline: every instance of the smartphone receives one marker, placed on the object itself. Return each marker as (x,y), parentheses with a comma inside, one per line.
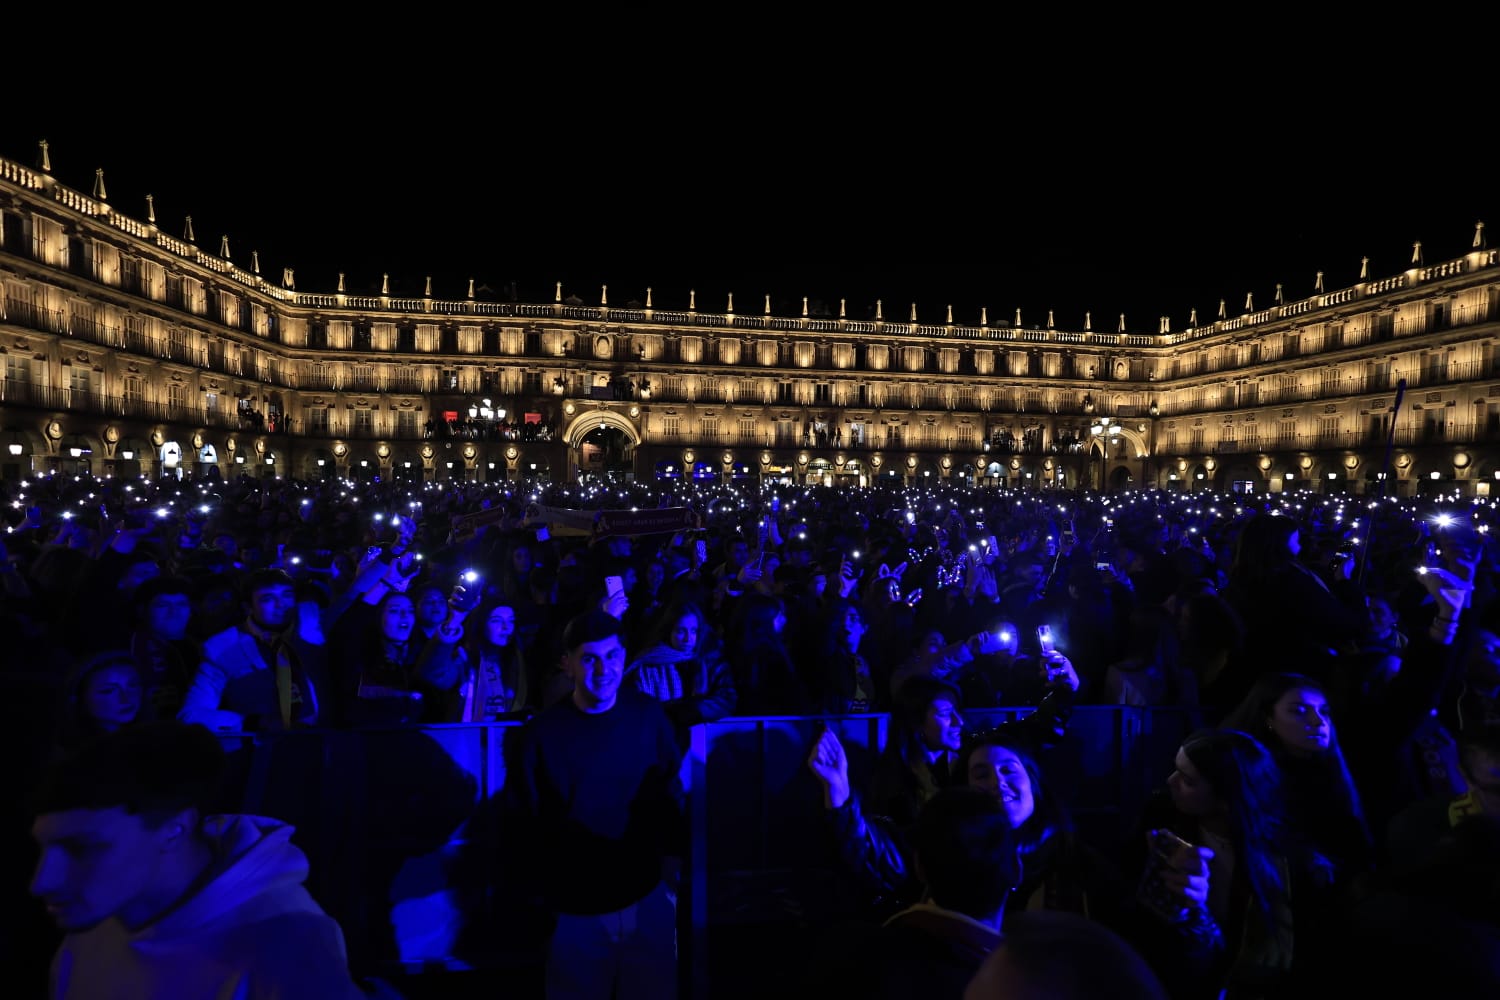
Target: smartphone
(1152,892)
(1044,638)
(701,547)
(1104,564)
(542,534)
(1005,635)
(614,585)
(1165,845)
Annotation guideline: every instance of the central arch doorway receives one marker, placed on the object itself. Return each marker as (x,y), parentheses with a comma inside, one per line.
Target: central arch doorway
(604,450)
(601,444)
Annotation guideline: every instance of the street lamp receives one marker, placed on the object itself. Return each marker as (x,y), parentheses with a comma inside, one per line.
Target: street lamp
(1104,430)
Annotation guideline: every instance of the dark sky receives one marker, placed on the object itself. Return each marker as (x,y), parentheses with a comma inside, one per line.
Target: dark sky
(1152,197)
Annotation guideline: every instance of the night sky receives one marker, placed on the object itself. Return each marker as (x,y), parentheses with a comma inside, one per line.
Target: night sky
(1154,196)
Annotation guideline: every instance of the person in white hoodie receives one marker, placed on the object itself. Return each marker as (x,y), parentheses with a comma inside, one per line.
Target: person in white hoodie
(157,899)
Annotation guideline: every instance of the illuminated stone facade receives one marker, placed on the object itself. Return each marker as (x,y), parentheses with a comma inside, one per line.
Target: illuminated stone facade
(128,351)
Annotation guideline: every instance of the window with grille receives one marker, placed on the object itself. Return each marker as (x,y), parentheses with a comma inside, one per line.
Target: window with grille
(317,419)
(671,426)
(134,388)
(364,421)
(406,423)
(1328,427)
(747,428)
(176,395)
(823,393)
(78,378)
(674,386)
(710,428)
(408,379)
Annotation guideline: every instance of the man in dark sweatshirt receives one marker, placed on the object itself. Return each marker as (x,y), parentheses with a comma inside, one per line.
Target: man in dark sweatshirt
(599,814)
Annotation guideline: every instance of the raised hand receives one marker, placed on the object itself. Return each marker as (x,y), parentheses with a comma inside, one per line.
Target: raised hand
(828,762)
(1057,671)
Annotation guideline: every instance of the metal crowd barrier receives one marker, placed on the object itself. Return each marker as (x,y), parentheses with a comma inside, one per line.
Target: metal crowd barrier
(397,826)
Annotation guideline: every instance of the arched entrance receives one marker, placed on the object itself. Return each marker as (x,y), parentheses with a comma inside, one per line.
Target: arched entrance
(603,450)
(600,442)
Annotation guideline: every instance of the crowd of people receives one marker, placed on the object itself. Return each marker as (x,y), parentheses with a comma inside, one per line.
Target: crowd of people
(1339,798)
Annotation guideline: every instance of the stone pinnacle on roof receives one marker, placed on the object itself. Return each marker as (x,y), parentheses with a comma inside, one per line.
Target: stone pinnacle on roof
(1249,302)
(151,210)
(1280,298)
(1416,253)
(1088,322)
(385,283)
(1223,310)
(341,282)
(99,191)
(1193,318)
(43,157)
(255,262)
(224,246)
(879,312)
(648,296)
(428,292)
(1122,324)
(187,230)
(471,288)
(1364,269)
(1318,284)
(559,292)
(1479,241)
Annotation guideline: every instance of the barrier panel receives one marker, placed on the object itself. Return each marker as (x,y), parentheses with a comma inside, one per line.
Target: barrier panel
(398,826)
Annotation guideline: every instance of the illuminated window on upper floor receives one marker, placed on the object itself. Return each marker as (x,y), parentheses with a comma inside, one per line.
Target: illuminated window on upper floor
(364,420)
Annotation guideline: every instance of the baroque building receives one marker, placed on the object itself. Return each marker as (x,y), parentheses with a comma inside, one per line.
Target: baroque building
(130,351)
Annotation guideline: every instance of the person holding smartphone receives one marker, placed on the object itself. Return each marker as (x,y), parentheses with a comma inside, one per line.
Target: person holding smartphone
(1219,866)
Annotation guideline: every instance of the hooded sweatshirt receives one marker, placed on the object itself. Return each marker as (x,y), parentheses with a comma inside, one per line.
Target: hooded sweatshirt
(251,932)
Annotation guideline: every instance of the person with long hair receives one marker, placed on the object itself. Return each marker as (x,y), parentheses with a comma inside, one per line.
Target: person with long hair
(496,686)
(1218,858)
(1290,713)
(683,667)
(759,660)
(926,752)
